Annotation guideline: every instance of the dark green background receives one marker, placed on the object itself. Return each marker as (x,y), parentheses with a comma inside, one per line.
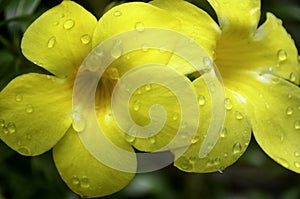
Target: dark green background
(254,176)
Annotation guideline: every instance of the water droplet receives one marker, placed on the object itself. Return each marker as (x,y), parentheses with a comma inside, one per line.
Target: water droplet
(113,73)
(137,105)
(175,116)
(79,123)
(117,50)
(85,39)
(297,154)
(195,139)
(238,115)
(148,87)
(201,100)
(129,138)
(139,26)
(289,111)
(237,148)
(51,42)
(5,130)
(85,182)
(29,108)
(152,140)
(208,63)
(11,127)
(69,24)
(2,123)
(117,13)
(281,55)
(24,151)
(297,164)
(186,164)
(225,155)
(297,125)
(75,180)
(223,133)
(228,104)
(290,96)
(292,77)
(19,98)
(217,161)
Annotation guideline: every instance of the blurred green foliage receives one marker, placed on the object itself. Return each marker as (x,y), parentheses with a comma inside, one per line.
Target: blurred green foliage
(254,177)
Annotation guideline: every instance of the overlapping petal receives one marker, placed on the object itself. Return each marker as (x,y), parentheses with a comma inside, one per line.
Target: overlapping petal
(60,39)
(31,106)
(269,51)
(239,18)
(135,16)
(274,105)
(85,174)
(233,140)
(195,23)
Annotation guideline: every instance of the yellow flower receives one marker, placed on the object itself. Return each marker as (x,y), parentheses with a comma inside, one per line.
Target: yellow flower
(259,67)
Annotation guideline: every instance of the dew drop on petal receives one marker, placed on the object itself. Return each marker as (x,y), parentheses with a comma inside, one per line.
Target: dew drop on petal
(152,140)
(11,127)
(2,123)
(29,108)
(297,164)
(69,24)
(139,26)
(292,77)
(148,87)
(186,164)
(192,159)
(289,111)
(137,105)
(297,154)
(85,182)
(85,39)
(201,100)
(195,139)
(175,116)
(297,125)
(79,122)
(228,104)
(5,130)
(281,55)
(238,115)
(24,150)
(51,42)
(208,63)
(19,98)
(116,50)
(75,180)
(129,138)
(117,13)
(114,73)
(223,133)
(237,148)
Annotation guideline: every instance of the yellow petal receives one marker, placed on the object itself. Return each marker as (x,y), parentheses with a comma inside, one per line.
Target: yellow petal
(269,51)
(236,17)
(132,16)
(274,105)
(85,174)
(35,112)
(141,17)
(234,137)
(195,23)
(60,39)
